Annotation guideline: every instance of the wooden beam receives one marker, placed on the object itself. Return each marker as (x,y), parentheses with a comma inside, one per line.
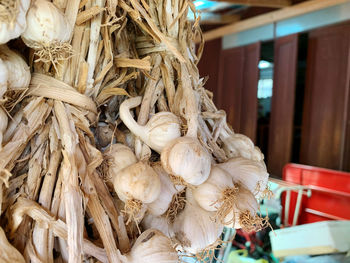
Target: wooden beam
(272,17)
(264,3)
(215,19)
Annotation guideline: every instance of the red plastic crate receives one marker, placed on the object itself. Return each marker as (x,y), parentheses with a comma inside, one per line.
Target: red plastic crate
(330,198)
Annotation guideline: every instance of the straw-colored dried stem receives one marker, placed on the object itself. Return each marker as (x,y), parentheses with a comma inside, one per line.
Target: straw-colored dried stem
(45,220)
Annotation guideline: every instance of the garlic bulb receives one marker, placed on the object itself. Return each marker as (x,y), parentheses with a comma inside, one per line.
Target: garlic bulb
(136,185)
(251,174)
(158,222)
(150,247)
(239,145)
(118,157)
(46,25)
(185,157)
(8,253)
(161,128)
(168,190)
(12,19)
(217,194)
(18,71)
(194,228)
(244,213)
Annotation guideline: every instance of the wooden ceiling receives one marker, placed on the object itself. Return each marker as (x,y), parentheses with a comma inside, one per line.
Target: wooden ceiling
(247,14)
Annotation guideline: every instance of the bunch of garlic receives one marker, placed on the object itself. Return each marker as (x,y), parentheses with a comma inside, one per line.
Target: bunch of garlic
(12,19)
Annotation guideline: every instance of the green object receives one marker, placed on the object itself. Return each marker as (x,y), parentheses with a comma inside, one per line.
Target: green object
(241,256)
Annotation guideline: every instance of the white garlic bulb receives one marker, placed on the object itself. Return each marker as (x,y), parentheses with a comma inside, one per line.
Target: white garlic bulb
(244,213)
(150,247)
(218,194)
(239,145)
(13,19)
(18,71)
(194,228)
(160,223)
(161,128)
(185,157)
(168,190)
(250,174)
(46,25)
(118,157)
(137,181)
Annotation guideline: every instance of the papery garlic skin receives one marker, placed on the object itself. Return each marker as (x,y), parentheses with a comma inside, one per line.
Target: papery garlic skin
(185,157)
(168,190)
(152,246)
(158,222)
(13,19)
(118,157)
(162,127)
(250,174)
(18,71)
(194,227)
(137,181)
(46,25)
(208,193)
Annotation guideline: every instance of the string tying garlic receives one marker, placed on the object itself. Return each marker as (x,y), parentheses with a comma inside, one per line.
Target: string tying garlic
(12,19)
(250,174)
(161,128)
(47,31)
(135,185)
(167,192)
(152,246)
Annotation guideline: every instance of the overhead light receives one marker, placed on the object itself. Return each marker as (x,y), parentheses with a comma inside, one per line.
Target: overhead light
(263,64)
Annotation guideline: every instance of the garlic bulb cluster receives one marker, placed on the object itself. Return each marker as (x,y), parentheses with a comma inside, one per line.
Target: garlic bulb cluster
(152,246)
(161,128)
(18,71)
(46,25)
(185,157)
(251,174)
(12,19)
(194,228)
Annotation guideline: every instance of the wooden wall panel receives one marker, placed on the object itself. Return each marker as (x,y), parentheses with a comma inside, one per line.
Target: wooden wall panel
(249,101)
(230,85)
(238,85)
(282,104)
(209,65)
(326,98)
